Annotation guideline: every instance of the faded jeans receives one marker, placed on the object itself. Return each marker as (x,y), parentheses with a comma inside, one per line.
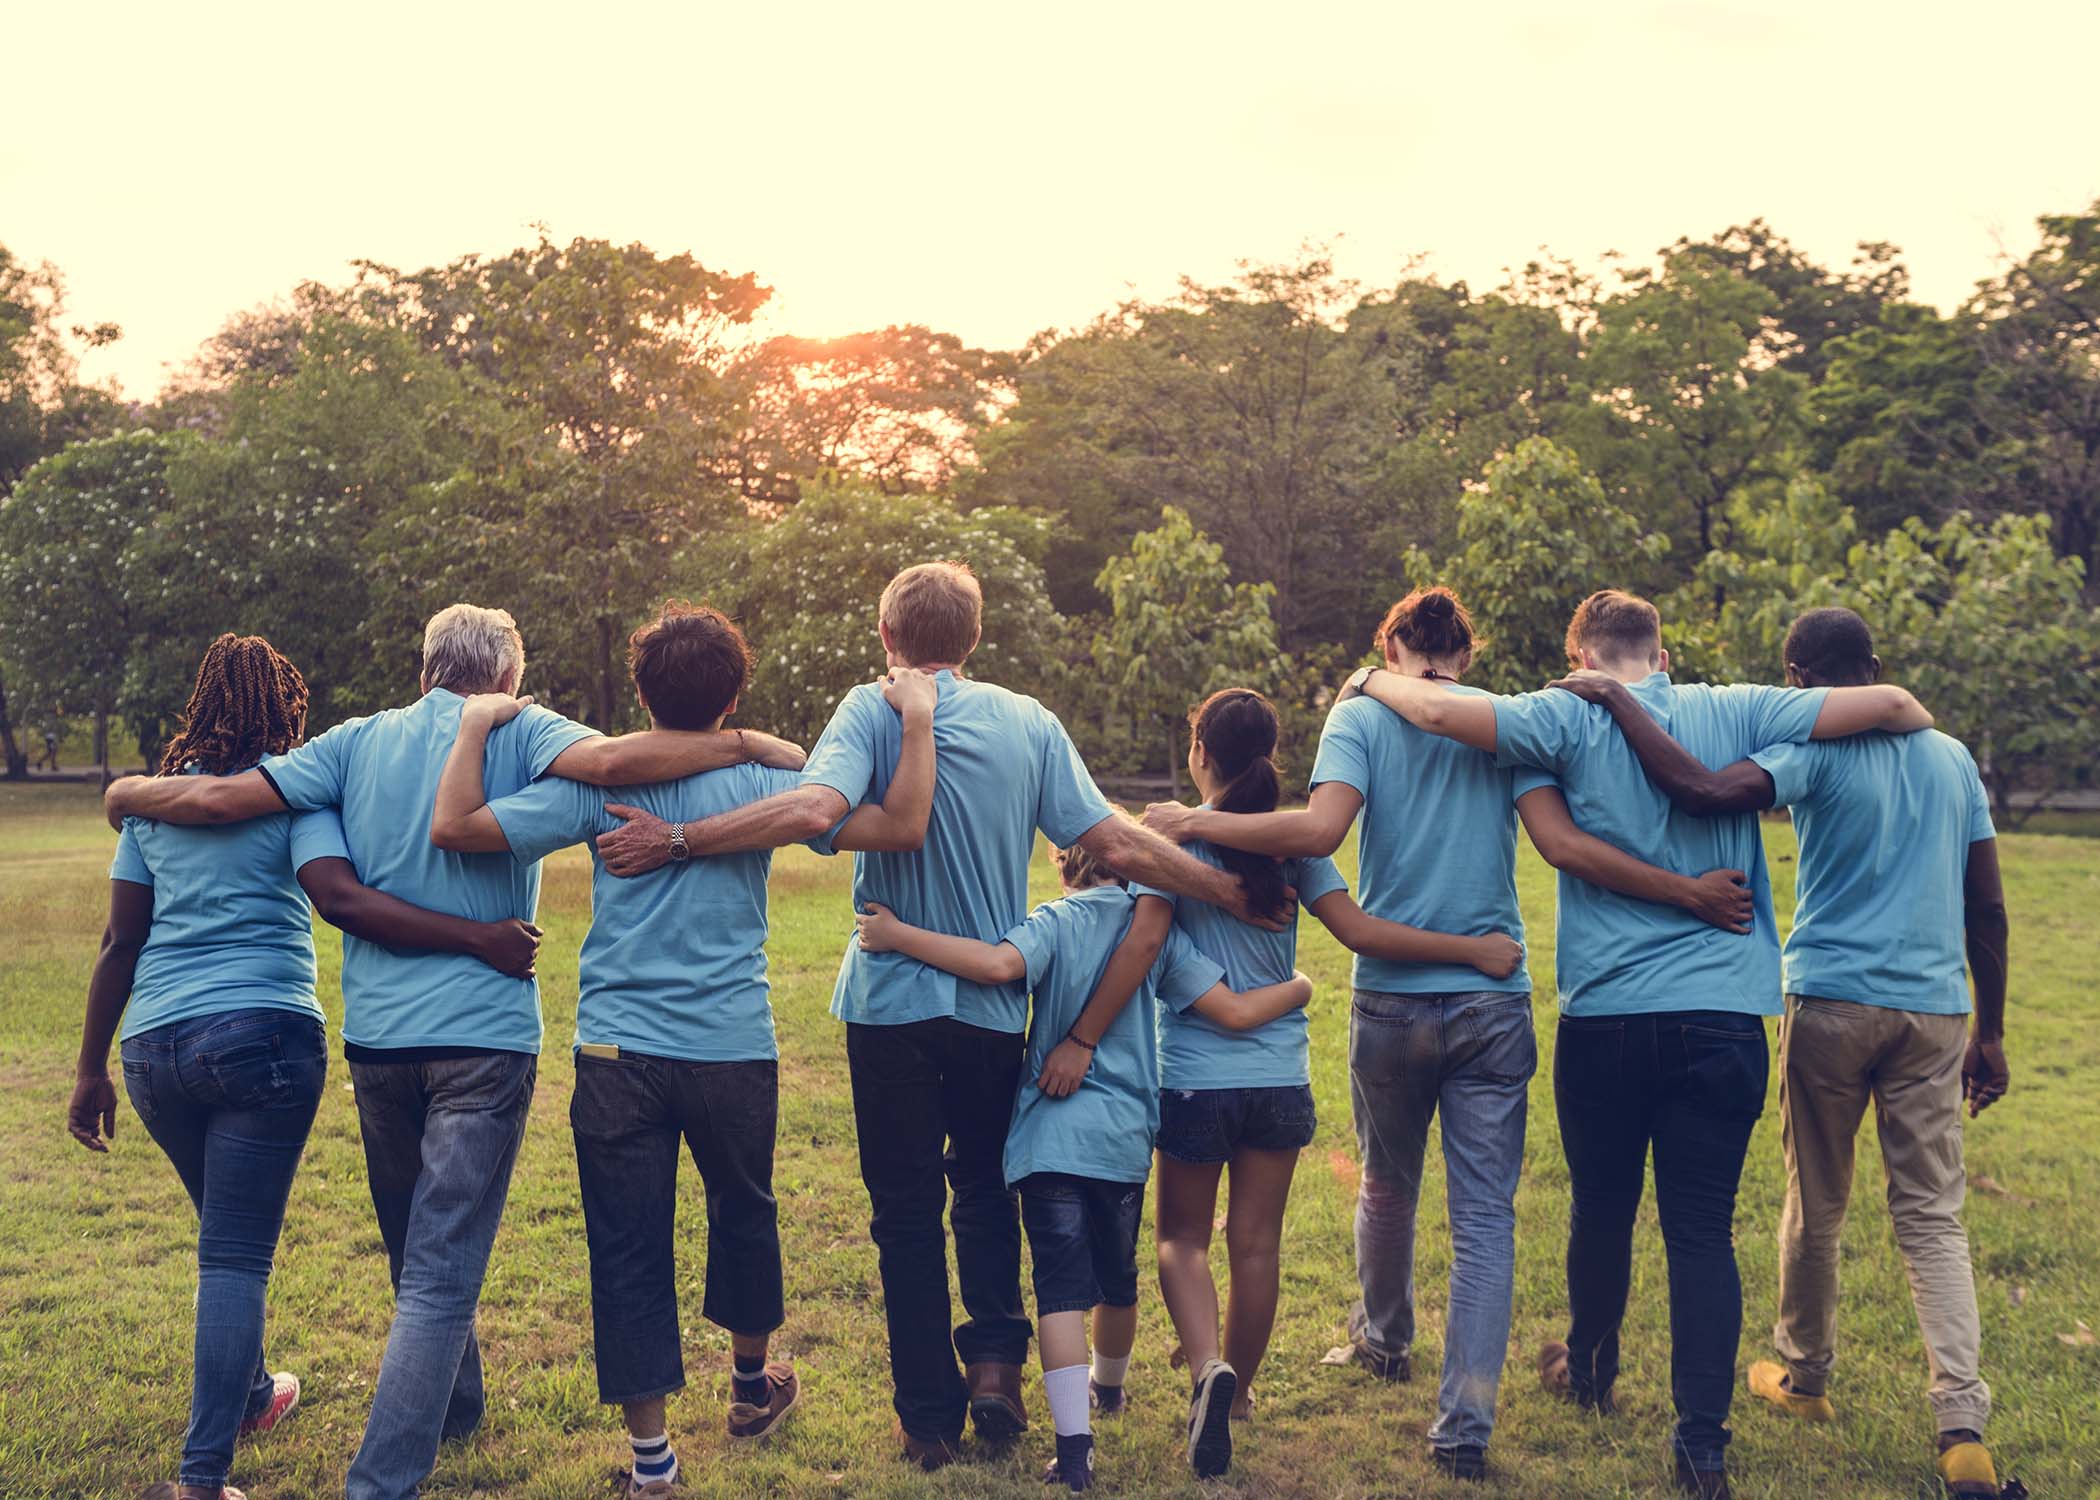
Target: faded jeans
(440,1136)
(1468,1057)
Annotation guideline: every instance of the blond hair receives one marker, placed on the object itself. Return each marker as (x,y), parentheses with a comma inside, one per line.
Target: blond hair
(934,612)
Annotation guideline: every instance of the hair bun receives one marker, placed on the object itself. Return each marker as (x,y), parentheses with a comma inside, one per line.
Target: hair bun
(1437,604)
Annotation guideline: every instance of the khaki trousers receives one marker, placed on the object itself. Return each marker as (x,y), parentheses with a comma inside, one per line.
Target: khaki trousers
(1835,1056)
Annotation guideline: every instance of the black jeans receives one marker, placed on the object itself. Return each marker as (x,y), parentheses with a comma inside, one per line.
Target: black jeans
(935,1097)
(629,1114)
(1689,1084)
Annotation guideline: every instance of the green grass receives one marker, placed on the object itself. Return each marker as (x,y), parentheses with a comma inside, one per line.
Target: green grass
(96,1267)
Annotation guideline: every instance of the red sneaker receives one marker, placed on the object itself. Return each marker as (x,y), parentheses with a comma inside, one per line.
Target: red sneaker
(283,1398)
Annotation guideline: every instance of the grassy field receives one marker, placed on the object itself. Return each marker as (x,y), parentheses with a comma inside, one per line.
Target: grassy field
(97,1272)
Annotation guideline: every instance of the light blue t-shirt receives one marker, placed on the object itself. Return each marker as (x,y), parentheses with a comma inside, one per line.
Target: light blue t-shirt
(1619,956)
(1105,1128)
(1885,824)
(1197,1053)
(231,927)
(382,772)
(1438,842)
(1007,769)
(675,962)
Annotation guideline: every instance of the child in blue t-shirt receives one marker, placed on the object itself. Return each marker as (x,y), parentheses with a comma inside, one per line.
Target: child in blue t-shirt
(1080,1144)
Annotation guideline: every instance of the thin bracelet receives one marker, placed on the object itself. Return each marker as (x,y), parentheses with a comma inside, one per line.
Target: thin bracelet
(1080,1041)
(743,751)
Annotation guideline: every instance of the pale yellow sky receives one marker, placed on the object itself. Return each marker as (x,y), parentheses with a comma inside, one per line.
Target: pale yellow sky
(996,169)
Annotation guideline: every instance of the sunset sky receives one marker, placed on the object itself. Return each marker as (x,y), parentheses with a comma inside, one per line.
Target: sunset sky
(997,169)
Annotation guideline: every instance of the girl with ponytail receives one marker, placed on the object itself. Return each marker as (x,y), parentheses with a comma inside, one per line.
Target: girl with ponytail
(1238,1098)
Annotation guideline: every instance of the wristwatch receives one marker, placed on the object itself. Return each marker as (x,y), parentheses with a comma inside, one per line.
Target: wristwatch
(678,848)
(1360,678)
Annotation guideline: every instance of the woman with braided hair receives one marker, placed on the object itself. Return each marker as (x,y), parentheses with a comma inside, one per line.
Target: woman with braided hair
(208,960)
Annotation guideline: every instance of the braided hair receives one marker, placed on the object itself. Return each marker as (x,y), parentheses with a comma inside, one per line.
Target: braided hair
(249,702)
(1237,729)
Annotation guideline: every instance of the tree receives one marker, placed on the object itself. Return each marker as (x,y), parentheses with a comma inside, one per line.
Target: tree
(1536,537)
(1812,306)
(1179,629)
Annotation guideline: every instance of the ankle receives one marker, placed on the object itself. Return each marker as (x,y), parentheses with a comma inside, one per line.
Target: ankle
(1954,1437)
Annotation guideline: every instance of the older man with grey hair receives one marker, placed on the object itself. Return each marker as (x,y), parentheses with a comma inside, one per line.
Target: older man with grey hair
(443,1051)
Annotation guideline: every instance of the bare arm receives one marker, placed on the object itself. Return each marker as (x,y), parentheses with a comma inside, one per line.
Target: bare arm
(899,821)
(1465,717)
(1143,857)
(91,1114)
(1721,898)
(667,754)
(1880,705)
(191,799)
(460,820)
(1495,954)
(1316,831)
(881,931)
(1680,775)
(1984,1073)
(345,901)
(1238,1011)
(1067,1062)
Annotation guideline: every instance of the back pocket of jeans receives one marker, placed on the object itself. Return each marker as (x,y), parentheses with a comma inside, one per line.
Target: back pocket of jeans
(252,1073)
(1725,1071)
(138,1086)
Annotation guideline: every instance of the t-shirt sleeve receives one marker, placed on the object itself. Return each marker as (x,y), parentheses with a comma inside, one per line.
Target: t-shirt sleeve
(318,835)
(1792,768)
(1173,901)
(1980,825)
(130,861)
(551,813)
(1535,729)
(1529,779)
(1345,748)
(844,756)
(1069,803)
(1035,937)
(1775,715)
(1316,877)
(543,734)
(1185,973)
(311,776)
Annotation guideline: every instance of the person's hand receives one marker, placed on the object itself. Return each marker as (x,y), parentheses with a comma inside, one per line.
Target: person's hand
(114,797)
(1723,899)
(1172,821)
(637,846)
(91,1114)
(510,947)
(1497,955)
(1301,989)
(492,709)
(878,928)
(1984,1074)
(1282,920)
(1064,1068)
(772,750)
(1590,685)
(913,693)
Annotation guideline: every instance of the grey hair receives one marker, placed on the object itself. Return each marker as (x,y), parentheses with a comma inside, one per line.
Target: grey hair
(472,650)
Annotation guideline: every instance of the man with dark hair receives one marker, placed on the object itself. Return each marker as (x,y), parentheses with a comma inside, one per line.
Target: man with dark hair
(1661,1046)
(1897,855)
(935,1060)
(674,1031)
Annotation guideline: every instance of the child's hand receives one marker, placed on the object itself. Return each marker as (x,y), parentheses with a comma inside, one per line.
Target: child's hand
(1301,987)
(1064,1068)
(878,928)
(1497,955)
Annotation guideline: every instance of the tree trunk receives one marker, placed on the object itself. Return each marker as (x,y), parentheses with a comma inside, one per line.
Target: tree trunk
(17,757)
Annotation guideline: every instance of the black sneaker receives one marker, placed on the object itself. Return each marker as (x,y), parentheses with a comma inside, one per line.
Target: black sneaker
(1108,1400)
(1210,1419)
(1462,1461)
(1706,1484)
(1397,1368)
(1074,1465)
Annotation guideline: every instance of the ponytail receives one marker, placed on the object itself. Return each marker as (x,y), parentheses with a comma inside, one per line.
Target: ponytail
(1237,729)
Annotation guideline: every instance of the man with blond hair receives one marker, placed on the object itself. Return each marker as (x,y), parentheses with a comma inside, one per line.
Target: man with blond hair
(935,1060)
(443,1050)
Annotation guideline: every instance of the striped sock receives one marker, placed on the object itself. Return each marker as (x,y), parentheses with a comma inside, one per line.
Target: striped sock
(748,1379)
(653,1459)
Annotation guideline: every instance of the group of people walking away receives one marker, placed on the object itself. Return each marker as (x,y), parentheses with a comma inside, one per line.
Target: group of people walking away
(1024,1069)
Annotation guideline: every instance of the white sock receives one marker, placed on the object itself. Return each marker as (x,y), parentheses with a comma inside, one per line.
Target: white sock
(1066,1389)
(653,1458)
(1110,1371)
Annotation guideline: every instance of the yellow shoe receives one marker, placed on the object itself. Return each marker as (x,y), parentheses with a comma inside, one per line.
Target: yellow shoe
(1966,1470)
(1769,1380)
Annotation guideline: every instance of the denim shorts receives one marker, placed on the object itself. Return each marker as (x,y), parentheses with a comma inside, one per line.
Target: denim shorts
(1082,1236)
(1202,1126)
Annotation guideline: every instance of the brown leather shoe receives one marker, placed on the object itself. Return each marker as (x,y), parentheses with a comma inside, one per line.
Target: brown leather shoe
(995,1402)
(927,1454)
(753,1419)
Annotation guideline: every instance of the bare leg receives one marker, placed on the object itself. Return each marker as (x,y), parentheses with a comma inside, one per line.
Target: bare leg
(645,1419)
(1261,1186)
(1063,1339)
(750,1345)
(1115,1330)
(1183,1206)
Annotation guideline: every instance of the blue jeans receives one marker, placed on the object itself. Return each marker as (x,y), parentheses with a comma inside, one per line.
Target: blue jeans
(1689,1085)
(1468,1056)
(1082,1240)
(230,1098)
(440,1138)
